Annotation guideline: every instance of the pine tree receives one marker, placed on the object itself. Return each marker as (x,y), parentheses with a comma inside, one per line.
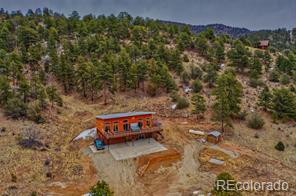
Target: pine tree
(265,98)
(142,73)
(24,89)
(7,41)
(66,73)
(211,75)
(166,79)
(133,79)
(239,56)
(196,86)
(15,67)
(202,46)
(219,53)
(124,66)
(5,90)
(283,104)
(53,96)
(228,97)
(199,106)
(83,75)
(256,68)
(106,79)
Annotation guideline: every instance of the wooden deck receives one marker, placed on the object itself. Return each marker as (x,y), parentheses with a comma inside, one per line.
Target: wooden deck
(130,133)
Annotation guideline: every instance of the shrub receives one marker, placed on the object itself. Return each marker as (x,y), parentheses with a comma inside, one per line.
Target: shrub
(280,146)
(255,122)
(185,58)
(196,72)
(34,113)
(34,193)
(30,138)
(255,82)
(151,90)
(101,188)
(228,189)
(196,86)
(15,108)
(182,103)
(242,115)
(174,96)
(185,77)
(274,76)
(284,79)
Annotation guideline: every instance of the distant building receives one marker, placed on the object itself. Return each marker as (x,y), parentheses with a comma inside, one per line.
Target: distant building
(123,127)
(263,44)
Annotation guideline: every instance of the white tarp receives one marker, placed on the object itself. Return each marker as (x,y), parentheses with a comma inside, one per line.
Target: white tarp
(86,134)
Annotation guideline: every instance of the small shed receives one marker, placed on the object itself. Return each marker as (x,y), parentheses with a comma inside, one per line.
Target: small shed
(214,137)
(263,44)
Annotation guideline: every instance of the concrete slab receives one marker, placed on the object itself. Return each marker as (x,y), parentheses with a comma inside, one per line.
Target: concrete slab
(134,149)
(94,149)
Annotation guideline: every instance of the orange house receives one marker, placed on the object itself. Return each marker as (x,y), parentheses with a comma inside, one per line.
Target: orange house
(123,127)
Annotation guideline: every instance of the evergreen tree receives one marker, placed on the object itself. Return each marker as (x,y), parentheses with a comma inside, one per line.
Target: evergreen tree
(53,96)
(228,94)
(5,90)
(24,89)
(265,98)
(239,56)
(219,53)
(211,75)
(283,104)
(66,73)
(199,106)
(7,41)
(202,46)
(196,86)
(255,69)
(101,189)
(83,75)
(106,78)
(124,66)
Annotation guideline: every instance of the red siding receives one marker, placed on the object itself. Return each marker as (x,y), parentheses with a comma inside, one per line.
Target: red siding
(100,125)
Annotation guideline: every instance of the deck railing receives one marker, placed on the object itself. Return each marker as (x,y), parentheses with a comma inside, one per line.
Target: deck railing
(113,135)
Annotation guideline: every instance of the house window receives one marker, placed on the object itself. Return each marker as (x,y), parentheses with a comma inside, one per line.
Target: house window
(140,123)
(115,127)
(147,122)
(107,127)
(125,125)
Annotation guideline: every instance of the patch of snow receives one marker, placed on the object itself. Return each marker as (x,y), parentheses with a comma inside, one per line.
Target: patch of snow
(187,90)
(174,106)
(222,66)
(86,134)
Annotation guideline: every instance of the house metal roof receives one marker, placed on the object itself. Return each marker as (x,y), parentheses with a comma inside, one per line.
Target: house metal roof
(264,42)
(122,115)
(215,133)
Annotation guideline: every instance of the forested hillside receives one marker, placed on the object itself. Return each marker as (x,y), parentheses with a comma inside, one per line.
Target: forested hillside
(219,29)
(280,39)
(46,54)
